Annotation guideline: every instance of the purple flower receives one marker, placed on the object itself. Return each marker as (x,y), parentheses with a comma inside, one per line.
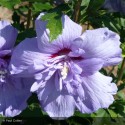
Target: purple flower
(115,5)
(66,69)
(13,91)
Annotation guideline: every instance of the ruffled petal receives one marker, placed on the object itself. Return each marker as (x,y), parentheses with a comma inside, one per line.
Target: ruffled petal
(98,93)
(100,43)
(58,104)
(2,42)
(9,33)
(71,30)
(29,59)
(13,96)
(90,66)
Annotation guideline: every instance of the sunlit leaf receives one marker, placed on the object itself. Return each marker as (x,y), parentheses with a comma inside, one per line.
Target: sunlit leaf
(38,7)
(54,24)
(123,49)
(9,3)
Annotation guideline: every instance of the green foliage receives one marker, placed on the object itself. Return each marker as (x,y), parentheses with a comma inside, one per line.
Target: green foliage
(95,5)
(33,0)
(38,7)
(54,24)
(123,49)
(9,3)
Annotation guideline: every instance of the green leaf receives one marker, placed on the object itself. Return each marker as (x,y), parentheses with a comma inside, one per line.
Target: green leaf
(79,114)
(119,108)
(2,119)
(100,113)
(112,113)
(123,49)
(101,117)
(38,7)
(33,0)
(54,24)
(85,2)
(33,110)
(28,33)
(9,3)
(96,4)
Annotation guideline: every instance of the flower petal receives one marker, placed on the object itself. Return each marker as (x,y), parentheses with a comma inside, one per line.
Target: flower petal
(29,59)
(90,66)
(9,33)
(58,104)
(13,96)
(100,43)
(5,52)
(71,30)
(98,91)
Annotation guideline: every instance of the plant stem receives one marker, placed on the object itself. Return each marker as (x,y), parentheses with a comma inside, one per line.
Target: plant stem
(77,11)
(121,71)
(29,16)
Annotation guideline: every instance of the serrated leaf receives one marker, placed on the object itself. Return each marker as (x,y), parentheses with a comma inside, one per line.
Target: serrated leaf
(9,3)
(54,24)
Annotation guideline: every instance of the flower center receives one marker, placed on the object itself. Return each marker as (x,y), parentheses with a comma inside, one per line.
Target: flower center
(64,51)
(64,71)
(3,73)
(3,70)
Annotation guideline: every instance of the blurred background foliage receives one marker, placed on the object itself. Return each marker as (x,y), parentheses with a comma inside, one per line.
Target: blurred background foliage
(90,14)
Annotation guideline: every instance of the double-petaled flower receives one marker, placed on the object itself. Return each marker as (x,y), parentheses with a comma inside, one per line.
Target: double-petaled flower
(67,69)
(13,91)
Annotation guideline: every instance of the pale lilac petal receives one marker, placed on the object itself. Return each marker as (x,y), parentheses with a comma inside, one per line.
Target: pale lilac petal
(13,96)
(76,68)
(100,43)
(46,90)
(70,31)
(2,42)
(27,56)
(98,91)
(37,85)
(58,82)
(90,66)
(9,33)
(58,104)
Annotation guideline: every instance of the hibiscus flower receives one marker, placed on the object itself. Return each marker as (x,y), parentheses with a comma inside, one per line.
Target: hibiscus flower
(13,91)
(67,69)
